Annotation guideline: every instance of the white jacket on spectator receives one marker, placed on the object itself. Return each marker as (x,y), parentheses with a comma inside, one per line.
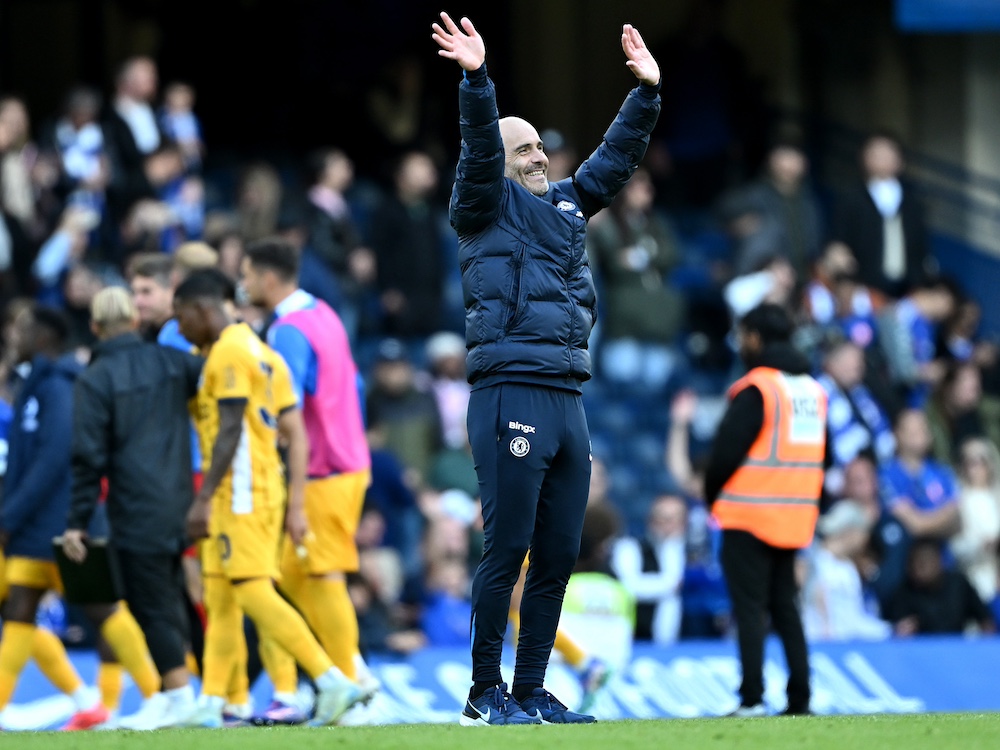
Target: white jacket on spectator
(833,602)
(833,606)
(662,588)
(975,546)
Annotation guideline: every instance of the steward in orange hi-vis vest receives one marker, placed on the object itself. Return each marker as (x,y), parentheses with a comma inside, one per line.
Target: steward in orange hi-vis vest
(775,492)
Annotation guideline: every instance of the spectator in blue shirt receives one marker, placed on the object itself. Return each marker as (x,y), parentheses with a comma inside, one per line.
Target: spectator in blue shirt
(907,333)
(181,125)
(918,492)
(447,605)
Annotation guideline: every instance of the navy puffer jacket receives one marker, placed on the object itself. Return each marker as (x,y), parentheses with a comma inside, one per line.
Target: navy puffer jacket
(529,295)
(36,488)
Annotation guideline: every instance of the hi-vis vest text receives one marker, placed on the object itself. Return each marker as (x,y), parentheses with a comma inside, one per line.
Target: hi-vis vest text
(775,493)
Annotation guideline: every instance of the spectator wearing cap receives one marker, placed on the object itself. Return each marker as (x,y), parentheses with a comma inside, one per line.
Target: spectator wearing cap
(405,413)
(833,598)
(446,354)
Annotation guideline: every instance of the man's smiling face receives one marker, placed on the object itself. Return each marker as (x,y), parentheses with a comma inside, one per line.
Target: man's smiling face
(526,162)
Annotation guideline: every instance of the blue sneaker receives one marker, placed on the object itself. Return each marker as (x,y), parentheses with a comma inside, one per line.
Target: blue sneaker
(495,706)
(547,709)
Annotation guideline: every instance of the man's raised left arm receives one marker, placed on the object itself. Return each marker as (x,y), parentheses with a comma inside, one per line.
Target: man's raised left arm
(606,171)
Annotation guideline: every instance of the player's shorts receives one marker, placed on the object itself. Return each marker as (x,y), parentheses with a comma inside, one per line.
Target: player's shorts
(33,574)
(333,510)
(243,545)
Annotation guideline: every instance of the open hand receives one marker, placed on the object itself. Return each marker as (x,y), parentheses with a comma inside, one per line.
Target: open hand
(467,49)
(640,61)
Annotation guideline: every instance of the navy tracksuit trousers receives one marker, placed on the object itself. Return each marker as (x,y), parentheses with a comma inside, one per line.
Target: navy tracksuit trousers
(531,445)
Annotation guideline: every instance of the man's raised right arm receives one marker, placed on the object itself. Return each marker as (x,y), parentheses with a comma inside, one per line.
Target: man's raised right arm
(475,199)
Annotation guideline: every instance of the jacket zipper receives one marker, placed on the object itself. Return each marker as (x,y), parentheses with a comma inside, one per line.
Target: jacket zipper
(515,288)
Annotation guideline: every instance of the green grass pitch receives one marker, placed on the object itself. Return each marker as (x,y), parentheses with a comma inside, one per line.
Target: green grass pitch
(881,732)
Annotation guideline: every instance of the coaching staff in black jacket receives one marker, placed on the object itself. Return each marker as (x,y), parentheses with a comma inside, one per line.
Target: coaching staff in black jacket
(131,425)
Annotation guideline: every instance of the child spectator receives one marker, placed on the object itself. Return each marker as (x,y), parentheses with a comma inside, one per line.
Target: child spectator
(181,125)
(934,599)
(447,606)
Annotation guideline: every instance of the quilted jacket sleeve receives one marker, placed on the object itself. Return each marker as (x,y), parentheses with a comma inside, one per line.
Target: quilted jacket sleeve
(479,182)
(45,473)
(606,171)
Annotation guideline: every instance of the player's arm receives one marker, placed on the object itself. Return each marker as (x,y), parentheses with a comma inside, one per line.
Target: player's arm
(475,199)
(292,431)
(231,412)
(734,437)
(91,438)
(604,174)
(292,435)
(295,350)
(193,365)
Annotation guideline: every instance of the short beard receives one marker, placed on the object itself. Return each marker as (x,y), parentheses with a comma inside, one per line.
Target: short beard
(534,189)
(539,190)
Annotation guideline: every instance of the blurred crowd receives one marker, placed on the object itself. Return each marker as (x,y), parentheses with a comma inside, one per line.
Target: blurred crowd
(908,540)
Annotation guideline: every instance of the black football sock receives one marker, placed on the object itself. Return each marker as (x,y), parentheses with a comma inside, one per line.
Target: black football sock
(478,688)
(523,690)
